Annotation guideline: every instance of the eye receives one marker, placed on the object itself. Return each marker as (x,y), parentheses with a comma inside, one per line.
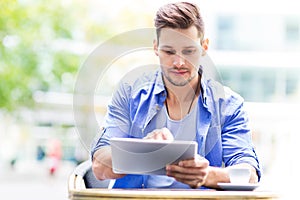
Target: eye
(188,51)
(169,52)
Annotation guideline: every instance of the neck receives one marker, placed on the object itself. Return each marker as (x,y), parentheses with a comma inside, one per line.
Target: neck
(180,100)
(183,93)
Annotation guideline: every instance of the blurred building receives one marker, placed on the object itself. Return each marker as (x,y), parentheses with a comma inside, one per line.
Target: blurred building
(256,46)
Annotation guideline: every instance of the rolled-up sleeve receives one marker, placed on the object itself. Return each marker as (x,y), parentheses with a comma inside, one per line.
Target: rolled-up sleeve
(116,121)
(236,135)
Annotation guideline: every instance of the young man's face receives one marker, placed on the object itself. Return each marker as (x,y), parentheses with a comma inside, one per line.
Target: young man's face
(179,52)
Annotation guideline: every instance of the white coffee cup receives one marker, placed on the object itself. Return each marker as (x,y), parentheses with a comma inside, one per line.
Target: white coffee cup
(239,175)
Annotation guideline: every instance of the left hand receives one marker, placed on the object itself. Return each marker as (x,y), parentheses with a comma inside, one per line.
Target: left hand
(192,172)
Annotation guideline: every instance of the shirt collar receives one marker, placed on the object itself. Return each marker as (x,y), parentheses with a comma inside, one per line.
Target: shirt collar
(204,86)
(160,86)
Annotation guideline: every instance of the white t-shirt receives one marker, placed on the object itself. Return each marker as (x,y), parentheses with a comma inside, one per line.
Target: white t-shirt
(184,129)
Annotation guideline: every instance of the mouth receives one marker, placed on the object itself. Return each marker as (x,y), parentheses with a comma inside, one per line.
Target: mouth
(179,71)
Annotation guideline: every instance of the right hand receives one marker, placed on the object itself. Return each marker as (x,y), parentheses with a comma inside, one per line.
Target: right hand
(102,164)
(160,134)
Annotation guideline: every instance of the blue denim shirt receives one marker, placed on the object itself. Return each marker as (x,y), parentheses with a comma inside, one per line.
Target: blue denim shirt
(223,132)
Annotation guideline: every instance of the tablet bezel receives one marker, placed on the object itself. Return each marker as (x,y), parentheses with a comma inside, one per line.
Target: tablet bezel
(147,156)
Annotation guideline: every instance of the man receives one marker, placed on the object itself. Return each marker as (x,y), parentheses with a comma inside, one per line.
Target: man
(177,101)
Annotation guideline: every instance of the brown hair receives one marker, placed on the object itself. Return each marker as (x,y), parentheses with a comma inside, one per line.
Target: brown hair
(179,15)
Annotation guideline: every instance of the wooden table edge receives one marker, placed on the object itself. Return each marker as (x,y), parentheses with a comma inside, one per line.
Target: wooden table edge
(169,194)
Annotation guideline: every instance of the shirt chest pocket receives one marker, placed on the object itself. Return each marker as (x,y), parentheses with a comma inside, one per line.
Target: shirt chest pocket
(208,139)
(213,138)
(136,131)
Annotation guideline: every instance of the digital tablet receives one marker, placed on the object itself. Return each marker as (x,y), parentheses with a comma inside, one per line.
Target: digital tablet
(145,156)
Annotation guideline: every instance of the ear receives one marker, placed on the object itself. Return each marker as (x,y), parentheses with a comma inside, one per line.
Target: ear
(155,47)
(204,44)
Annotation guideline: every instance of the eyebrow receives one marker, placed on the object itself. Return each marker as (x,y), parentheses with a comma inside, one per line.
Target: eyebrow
(187,47)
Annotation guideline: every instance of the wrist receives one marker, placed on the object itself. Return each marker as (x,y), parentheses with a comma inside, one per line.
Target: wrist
(216,175)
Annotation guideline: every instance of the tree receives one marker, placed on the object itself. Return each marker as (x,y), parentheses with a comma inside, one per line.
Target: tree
(31,57)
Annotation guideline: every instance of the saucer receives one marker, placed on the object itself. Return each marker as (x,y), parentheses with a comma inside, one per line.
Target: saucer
(238,187)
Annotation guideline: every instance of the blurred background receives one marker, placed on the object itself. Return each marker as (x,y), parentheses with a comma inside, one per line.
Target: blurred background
(255,46)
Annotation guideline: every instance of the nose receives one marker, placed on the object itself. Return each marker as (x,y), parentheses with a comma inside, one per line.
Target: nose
(178,60)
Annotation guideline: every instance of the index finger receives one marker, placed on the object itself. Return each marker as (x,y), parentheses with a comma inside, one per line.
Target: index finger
(196,162)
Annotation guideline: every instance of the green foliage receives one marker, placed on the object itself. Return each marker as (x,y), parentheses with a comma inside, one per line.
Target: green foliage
(40,43)
(29,60)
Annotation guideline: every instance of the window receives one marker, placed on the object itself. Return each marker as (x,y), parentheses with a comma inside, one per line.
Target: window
(225,32)
(292,30)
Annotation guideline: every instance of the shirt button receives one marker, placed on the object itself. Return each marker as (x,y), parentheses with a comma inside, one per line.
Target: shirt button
(157,107)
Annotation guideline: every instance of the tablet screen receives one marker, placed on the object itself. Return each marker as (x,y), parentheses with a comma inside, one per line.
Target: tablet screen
(141,156)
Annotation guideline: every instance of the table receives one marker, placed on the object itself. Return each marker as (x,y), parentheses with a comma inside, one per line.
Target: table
(78,191)
(100,193)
